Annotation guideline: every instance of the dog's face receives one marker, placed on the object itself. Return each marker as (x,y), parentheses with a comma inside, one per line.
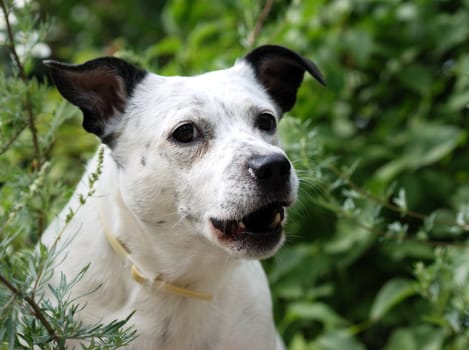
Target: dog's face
(200,152)
(210,149)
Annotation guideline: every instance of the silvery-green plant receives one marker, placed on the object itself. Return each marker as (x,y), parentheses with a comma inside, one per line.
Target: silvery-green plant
(27,128)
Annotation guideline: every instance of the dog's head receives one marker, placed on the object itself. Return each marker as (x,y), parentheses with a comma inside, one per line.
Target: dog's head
(201,152)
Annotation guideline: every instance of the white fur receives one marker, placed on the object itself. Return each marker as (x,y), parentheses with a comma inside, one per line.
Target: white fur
(161,211)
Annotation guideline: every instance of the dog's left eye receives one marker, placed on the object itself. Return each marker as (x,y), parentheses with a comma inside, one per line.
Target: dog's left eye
(186,133)
(266,122)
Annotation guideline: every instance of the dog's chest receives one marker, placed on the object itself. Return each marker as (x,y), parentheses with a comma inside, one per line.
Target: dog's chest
(185,324)
(224,323)
(237,317)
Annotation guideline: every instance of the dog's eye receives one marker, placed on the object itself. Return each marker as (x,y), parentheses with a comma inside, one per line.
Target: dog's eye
(266,122)
(186,133)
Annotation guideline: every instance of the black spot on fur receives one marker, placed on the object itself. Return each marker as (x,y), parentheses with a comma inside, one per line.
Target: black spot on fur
(143,161)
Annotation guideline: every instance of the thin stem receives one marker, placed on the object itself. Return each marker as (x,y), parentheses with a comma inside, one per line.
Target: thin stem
(22,75)
(36,310)
(12,139)
(377,232)
(378,200)
(252,38)
(360,327)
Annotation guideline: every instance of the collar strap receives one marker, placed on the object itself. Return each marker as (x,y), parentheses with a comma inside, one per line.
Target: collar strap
(139,277)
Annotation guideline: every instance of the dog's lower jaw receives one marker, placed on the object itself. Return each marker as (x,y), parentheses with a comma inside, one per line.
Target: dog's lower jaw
(256,235)
(248,245)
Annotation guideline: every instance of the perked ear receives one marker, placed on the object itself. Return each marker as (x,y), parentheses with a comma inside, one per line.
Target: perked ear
(281,72)
(100,88)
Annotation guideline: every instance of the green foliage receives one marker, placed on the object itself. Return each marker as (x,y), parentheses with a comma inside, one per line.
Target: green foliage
(378,243)
(33,313)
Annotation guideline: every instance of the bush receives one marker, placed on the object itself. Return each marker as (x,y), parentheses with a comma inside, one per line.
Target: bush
(378,249)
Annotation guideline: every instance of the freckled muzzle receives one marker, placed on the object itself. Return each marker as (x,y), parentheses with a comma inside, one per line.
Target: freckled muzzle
(266,221)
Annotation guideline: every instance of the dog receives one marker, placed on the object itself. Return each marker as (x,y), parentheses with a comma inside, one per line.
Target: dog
(192,194)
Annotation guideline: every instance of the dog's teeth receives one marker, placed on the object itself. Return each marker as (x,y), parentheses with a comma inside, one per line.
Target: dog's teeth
(276,221)
(241,225)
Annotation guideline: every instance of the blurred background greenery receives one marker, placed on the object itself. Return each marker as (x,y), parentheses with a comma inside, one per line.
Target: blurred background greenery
(377,255)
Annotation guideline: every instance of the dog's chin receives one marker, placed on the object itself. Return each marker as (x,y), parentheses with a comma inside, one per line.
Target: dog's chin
(257,235)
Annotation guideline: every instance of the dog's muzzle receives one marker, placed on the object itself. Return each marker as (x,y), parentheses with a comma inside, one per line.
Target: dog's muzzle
(258,230)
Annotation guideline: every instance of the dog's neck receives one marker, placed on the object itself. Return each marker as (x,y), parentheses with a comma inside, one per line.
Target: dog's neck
(155,282)
(170,251)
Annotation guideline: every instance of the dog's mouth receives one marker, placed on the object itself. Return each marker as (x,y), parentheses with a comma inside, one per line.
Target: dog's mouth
(265,221)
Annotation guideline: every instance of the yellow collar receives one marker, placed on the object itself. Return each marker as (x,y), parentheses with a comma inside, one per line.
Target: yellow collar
(138,276)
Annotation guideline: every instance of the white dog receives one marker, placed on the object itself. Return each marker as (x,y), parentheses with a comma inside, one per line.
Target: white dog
(192,192)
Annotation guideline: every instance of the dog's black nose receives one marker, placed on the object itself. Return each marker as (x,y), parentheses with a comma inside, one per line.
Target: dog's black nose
(271,171)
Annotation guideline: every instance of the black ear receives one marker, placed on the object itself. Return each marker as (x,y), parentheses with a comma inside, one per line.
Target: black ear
(100,88)
(281,72)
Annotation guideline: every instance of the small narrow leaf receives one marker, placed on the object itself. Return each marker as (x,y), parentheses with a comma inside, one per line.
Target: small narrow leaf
(318,312)
(337,339)
(392,293)
(401,199)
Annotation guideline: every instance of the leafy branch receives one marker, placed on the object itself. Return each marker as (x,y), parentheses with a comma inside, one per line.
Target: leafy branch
(386,204)
(330,205)
(23,77)
(27,316)
(34,306)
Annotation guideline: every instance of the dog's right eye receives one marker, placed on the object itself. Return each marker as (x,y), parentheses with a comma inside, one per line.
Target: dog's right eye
(266,122)
(186,133)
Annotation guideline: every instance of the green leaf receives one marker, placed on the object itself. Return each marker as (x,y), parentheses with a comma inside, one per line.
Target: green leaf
(417,78)
(424,144)
(458,101)
(416,338)
(316,312)
(360,44)
(298,342)
(337,340)
(391,294)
